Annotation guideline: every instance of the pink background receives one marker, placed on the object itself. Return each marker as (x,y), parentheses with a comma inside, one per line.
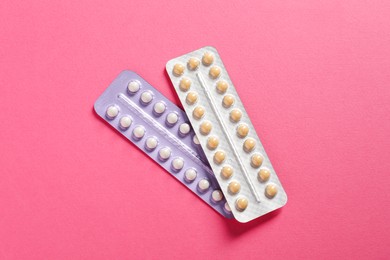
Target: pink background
(315,79)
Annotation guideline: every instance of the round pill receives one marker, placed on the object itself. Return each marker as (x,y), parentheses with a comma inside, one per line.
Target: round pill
(217,195)
(205,127)
(125,122)
(164,153)
(195,140)
(235,115)
(249,145)
(219,157)
(139,132)
(222,86)
(133,86)
(193,63)
(112,112)
(185,84)
(184,128)
(159,108)
(172,118)
(203,185)
(212,142)
(242,130)
(227,101)
(227,208)
(178,163)
(226,172)
(190,175)
(234,187)
(263,175)
(198,112)
(191,98)
(256,160)
(151,143)
(271,190)
(146,97)
(178,69)
(207,59)
(214,72)
(241,204)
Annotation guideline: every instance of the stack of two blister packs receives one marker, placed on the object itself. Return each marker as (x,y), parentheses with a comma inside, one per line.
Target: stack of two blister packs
(212,148)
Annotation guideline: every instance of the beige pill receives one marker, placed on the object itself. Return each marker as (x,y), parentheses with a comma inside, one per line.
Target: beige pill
(249,145)
(207,59)
(191,98)
(263,175)
(234,187)
(205,128)
(222,86)
(256,160)
(235,115)
(227,101)
(241,204)
(198,112)
(242,130)
(226,172)
(193,63)
(212,142)
(185,84)
(271,190)
(219,157)
(178,69)
(215,72)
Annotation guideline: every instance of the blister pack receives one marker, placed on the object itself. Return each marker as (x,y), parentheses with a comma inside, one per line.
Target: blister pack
(226,134)
(162,131)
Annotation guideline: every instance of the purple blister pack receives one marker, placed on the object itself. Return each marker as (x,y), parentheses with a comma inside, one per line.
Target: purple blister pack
(163,132)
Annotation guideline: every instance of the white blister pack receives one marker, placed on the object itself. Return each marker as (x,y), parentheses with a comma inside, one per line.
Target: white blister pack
(226,134)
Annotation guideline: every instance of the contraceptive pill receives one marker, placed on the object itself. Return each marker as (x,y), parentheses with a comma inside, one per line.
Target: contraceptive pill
(151,143)
(190,175)
(184,128)
(226,134)
(162,131)
(172,118)
(159,108)
(204,185)
(125,122)
(165,153)
(139,132)
(133,86)
(112,111)
(217,195)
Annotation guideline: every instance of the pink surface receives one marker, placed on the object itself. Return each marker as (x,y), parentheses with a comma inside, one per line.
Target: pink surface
(315,79)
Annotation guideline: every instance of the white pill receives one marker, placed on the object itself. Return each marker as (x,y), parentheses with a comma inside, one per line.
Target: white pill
(146,97)
(139,132)
(195,140)
(203,185)
(112,112)
(159,108)
(125,122)
(190,175)
(217,195)
(133,86)
(184,128)
(151,143)
(172,118)
(165,153)
(227,208)
(178,163)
